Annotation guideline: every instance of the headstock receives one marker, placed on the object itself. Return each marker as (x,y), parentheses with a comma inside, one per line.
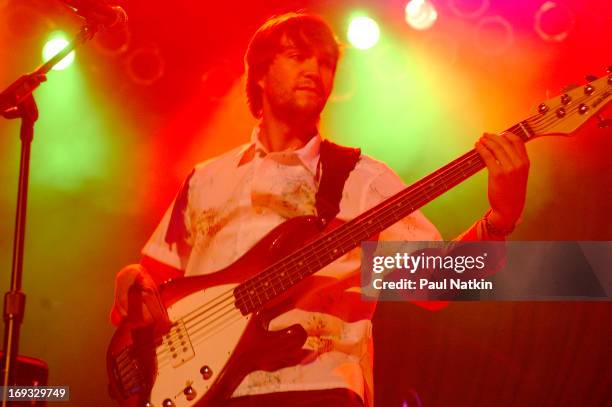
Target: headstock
(565,113)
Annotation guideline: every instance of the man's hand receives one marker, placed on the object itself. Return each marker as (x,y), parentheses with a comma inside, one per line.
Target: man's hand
(506,158)
(137,299)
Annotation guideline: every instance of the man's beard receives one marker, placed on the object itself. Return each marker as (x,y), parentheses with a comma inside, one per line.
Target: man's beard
(289,110)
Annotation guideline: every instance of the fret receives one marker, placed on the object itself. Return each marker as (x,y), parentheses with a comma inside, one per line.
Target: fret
(526,129)
(253,306)
(294,278)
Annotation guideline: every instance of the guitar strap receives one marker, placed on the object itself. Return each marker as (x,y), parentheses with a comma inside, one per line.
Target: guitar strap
(336,163)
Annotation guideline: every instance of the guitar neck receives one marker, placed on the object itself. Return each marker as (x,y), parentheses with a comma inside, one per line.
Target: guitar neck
(279,277)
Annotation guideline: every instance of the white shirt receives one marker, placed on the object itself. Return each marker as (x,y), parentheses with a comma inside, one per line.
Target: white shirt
(237,198)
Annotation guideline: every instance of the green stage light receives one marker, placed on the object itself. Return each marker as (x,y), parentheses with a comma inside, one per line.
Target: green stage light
(363,32)
(55,44)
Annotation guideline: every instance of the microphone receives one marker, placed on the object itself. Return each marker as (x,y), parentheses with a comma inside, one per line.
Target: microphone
(97,12)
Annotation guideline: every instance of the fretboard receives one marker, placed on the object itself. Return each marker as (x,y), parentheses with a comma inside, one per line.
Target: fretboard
(276,279)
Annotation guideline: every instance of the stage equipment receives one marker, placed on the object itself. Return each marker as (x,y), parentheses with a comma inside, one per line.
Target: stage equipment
(17,102)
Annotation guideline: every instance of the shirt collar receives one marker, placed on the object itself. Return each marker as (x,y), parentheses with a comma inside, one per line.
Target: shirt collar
(308,154)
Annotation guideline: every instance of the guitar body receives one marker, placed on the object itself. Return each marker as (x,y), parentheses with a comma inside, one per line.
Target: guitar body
(211,346)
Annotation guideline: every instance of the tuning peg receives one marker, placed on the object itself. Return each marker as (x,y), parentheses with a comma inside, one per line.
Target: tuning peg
(590,78)
(565,99)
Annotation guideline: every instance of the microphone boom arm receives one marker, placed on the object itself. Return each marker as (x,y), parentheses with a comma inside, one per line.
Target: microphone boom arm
(23,87)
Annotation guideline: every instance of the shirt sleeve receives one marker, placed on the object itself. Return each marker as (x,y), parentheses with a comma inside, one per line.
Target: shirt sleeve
(170,242)
(478,231)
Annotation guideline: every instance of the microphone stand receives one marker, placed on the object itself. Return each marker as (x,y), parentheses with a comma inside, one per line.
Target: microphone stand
(17,102)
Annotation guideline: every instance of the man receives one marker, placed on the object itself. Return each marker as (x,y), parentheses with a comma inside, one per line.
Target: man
(229,203)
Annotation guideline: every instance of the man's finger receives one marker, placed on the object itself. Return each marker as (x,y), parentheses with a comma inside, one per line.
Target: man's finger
(501,149)
(490,161)
(518,144)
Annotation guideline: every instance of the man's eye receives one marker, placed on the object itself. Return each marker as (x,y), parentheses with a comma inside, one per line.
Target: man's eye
(296,55)
(327,62)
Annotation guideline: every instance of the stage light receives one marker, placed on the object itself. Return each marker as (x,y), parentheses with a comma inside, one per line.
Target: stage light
(493,35)
(421,14)
(146,65)
(468,8)
(553,22)
(55,44)
(363,32)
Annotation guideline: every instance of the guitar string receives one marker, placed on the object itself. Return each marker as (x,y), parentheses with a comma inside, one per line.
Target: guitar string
(542,121)
(537,124)
(198,337)
(351,240)
(222,301)
(289,267)
(229,294)
(293,266)
(211,331)
(575,107)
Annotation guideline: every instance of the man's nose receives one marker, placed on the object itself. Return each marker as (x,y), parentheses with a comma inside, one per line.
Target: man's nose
(312,64)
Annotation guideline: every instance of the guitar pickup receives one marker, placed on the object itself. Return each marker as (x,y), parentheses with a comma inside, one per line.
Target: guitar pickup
(128,374)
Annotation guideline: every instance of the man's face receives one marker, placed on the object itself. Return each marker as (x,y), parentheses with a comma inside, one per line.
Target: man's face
(298,82)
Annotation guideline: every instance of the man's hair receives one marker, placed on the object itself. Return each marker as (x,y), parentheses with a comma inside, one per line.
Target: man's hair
(305,31)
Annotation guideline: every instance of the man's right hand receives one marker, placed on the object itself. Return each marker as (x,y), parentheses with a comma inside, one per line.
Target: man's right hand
(137,299)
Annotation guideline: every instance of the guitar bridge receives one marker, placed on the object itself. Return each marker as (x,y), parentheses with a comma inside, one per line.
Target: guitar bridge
(178,345)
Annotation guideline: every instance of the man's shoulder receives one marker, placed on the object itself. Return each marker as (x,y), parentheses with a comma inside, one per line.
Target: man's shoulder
(370,167)
(223,162)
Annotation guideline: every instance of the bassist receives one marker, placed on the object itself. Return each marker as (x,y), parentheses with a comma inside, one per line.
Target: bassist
(230,202)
